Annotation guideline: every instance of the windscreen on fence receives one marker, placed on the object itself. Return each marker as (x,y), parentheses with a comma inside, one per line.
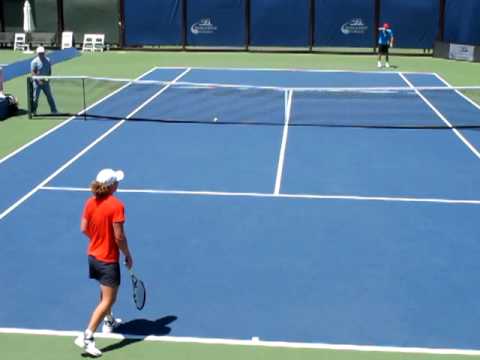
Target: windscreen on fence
(344,23)
(280,23)
(256,23)
(153,22)
(93,16)
(13,15)
(216,23)
(414,23)
(45,15)
(462,25)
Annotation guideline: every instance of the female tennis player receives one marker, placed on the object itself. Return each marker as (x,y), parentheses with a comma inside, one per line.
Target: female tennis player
(102,222)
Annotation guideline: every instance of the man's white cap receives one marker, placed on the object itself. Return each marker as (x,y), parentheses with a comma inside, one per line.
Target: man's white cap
(40,49)
(109,176)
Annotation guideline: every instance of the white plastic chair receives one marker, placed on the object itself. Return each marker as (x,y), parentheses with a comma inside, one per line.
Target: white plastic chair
(20,42)
(93,42)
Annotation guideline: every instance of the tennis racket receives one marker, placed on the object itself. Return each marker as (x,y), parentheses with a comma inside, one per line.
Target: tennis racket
(139,292)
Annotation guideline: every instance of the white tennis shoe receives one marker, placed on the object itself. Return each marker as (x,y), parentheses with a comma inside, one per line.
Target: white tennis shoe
(88,345)
(387,65)
(109,324)
(379,64)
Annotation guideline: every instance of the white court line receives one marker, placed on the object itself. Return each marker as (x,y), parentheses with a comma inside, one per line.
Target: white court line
(458,92)
(297,70)
(86,149)
(272,195)
(270,344)
(63,123)
(283,147)
(443,118)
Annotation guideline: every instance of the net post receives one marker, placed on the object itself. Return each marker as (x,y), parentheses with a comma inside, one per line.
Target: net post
(29,96)
(84,100)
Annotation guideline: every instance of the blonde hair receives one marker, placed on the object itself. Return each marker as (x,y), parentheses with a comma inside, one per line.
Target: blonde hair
(101,190)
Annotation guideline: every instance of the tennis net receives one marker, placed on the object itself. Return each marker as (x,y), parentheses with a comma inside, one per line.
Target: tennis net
(208,103)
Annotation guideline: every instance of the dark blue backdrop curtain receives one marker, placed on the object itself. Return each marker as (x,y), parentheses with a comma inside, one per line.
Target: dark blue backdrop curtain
(414,23)
(153,22)
(216,23)
(347,23)
(342,23)
(462,22)
(280,23)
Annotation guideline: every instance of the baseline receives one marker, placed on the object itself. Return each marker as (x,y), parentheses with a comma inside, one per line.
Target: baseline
(252,342)
(295,70)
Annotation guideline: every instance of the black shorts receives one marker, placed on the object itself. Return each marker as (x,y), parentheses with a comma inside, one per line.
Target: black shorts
(107,274)
(383,49)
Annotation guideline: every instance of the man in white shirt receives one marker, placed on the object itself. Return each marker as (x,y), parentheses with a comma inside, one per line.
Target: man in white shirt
(41,66)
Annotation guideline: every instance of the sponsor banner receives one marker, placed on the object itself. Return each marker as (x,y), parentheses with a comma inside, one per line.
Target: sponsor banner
(346,23)
(216,23)
(461,52)
(356,26)
(204,26)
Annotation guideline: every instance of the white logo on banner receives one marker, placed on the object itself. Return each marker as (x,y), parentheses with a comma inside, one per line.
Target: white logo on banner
(461,52)
(204,26)
(354,26)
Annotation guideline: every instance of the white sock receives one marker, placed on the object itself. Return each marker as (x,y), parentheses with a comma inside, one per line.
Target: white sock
(88,334)
(109,318)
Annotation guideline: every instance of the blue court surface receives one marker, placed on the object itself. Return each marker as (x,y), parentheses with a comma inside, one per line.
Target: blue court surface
(305,234)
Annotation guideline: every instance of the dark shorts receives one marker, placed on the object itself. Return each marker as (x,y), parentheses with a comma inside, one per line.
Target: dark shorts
(107,274)
(383,49)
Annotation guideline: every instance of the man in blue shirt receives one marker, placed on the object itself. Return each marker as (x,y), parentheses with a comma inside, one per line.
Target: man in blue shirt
(385,41)
(41,66)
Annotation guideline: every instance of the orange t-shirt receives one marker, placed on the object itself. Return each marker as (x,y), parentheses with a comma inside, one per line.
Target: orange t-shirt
(100,215)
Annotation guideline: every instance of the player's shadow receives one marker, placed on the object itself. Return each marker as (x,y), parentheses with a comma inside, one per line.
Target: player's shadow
(139,329)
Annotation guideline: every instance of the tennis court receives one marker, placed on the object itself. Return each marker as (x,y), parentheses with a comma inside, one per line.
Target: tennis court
(361,235)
